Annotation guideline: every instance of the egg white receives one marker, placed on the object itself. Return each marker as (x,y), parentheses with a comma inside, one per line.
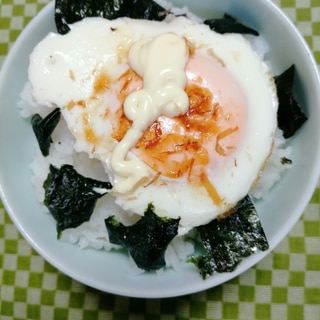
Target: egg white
(64,69)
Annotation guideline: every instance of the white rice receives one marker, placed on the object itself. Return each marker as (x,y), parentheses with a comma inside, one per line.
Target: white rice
(93,234)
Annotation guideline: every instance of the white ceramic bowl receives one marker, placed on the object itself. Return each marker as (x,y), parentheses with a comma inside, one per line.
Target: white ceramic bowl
(110,271)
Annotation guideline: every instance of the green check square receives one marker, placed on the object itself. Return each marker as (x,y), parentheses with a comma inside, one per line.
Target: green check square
(20,294)
(87,314)
(296,279)
(230,310)
(76,299)
(295,312)
(312,228)
(18,10)
(1,231)
(234,280)
(316,28)
(264,277)
(246,293)
(40,6)
(6,308)
(303,14)
(26,20)
(287,3)
(63,282)
(281,261)
(279,295)
(23,263)
(297,245)
(262,311)
(49,268)
(33,311)
(215,294)
(60,313)
(14,34)
(198,309)
(8,277)
(47,297)
(35,280)
(11,246)
(312,296)
(5,23)
(313,262)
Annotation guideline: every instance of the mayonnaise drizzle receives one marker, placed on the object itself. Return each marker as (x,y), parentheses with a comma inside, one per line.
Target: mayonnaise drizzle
(161,62)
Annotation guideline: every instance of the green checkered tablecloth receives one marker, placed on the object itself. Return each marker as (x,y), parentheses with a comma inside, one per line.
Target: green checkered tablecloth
(285,285)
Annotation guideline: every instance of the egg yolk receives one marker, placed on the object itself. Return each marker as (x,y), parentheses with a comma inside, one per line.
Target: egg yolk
(211,129)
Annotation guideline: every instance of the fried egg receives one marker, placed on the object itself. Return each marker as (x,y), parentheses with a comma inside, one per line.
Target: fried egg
(198,152)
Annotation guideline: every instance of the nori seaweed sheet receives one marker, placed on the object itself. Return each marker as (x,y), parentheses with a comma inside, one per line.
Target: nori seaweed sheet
(70,11)
(71,197)
(228,240)
(290,115)
(228,24)
(146,240)
(43,129)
